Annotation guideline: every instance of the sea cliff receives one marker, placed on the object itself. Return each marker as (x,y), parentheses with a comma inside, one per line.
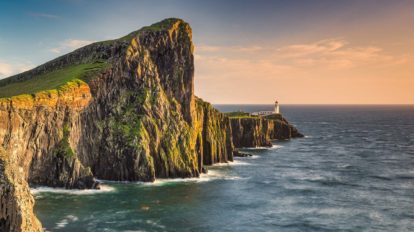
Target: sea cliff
(135,119)
(121,110)
(260,131)
(16,202)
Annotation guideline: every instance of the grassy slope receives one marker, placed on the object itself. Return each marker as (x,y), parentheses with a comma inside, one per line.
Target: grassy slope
(53,80)
(239,114)
(164,24)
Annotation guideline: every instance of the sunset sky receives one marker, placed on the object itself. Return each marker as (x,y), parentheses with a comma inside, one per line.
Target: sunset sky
(298,51)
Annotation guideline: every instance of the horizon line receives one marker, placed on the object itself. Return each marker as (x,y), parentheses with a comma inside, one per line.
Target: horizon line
(322,104)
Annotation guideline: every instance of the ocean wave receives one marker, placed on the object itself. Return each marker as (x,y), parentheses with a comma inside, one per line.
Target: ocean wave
(104,189)
(236,162)
(273,147)
(65,221)
(344,166)
(210,176)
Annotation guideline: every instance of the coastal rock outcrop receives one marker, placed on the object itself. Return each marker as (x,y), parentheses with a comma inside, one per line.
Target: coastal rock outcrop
(214,141)
(128,113)
(16,202)
(260,131)
(40,130)
(136,119)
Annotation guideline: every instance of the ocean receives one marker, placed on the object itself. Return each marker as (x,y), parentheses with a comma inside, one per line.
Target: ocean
(353,171)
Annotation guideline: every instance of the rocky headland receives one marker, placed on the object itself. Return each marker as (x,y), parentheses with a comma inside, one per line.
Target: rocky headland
(125,110)
(253,131)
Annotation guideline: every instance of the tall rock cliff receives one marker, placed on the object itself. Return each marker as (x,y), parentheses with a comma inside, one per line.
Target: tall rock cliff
(118,110)
(16,202)
(131,115)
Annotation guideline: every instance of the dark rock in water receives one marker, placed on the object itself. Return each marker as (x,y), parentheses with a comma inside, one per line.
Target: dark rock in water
(295,133)
(237,153)
(204,170)
(96,185)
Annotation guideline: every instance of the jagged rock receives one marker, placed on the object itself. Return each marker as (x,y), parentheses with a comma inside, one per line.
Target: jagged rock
(260,131)
(214,142)
(238,153)
(16,202)
(32,129)
(136,120)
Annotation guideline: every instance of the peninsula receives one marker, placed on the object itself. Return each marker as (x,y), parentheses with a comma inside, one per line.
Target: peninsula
(121,110)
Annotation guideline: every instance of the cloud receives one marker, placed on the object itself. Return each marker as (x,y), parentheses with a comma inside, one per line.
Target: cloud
(335,54)
(210,48)
(319,47)
(70,45)
(8,69)
(331,70)
(331,53)
(5,69)
(43,15)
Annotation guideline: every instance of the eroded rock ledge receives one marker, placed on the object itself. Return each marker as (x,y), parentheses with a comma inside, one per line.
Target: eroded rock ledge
(260,131)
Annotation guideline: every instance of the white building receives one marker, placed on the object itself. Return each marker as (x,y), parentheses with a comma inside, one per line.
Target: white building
(265,113)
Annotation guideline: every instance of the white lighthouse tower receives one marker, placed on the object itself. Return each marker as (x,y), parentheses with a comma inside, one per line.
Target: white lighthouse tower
(277,107)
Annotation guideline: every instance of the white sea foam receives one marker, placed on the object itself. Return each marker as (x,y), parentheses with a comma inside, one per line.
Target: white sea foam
(274,146)
(104,189)
(343,165)
(210,176)
(235,162)
(324,123)
(155,224)
(65,221)
(301,175)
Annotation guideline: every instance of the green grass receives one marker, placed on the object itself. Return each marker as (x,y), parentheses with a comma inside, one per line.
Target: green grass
(162,25)
(239,114)
(53,80)
(274,117)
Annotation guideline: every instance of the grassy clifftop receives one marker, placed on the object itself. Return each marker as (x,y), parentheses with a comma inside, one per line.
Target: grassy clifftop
(81,64)
(51,80)
(159,26)
(239,114)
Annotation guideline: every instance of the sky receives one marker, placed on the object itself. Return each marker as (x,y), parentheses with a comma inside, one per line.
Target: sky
(246,52)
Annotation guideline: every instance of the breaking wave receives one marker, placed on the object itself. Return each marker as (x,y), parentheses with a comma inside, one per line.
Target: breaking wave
(104,189)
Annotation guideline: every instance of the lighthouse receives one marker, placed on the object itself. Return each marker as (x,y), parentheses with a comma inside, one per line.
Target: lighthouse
(277,108)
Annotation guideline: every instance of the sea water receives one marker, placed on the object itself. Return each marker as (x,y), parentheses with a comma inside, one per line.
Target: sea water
(354,171)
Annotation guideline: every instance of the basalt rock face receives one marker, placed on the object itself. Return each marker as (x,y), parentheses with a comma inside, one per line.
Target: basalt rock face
(16,202)
(260,131)
(214,141)
(136,120)
(39,132)
(144,122)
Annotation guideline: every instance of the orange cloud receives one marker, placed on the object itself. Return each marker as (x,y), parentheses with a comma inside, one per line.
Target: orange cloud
(8,69)
(322,72)
(70,45)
